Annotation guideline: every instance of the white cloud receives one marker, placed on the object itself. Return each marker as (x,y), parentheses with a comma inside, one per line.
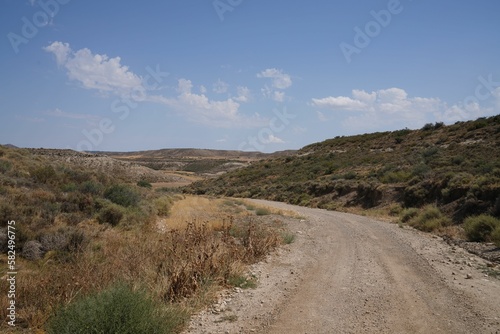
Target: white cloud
(274,95)
(393,107)
(244,94)
(203,89)
(95,71)
(220,87)
(272,139)
(281,80)
(340,102)
(200,109)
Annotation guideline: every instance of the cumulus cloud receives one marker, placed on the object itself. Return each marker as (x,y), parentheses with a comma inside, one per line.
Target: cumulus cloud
(393,106)
(108,75)
(220,87)
(280,80)
(272,139)
(244,94)
(199,108)
(95,71)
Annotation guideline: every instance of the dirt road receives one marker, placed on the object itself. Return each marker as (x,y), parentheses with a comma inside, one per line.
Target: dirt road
(351,274)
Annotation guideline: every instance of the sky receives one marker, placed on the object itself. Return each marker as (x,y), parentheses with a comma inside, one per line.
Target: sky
(246,75)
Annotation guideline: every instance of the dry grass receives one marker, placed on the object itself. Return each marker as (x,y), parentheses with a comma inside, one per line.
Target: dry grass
(203,249)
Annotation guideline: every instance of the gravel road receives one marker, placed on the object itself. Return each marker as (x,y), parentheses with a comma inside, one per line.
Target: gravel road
(352,274)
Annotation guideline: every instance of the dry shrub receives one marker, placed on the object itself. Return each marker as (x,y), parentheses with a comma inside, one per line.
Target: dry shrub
(175,266)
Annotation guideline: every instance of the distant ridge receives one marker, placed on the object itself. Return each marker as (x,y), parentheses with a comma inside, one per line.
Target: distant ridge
(10,146)
(196,153)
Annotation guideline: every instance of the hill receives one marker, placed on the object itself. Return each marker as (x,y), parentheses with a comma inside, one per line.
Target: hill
(456,168)
(207,163)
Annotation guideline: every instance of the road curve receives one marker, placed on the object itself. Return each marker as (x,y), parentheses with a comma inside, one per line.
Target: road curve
(354,274)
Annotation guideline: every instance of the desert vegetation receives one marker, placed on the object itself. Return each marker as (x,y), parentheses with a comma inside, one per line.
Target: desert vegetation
(439,174)
(97,254)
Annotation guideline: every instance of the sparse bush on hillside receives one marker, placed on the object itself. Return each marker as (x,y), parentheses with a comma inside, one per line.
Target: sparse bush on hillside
(408,214)
(91,187)
(429,219)
(480,228)
(110,214)
(122,194)
(262,212)
(32,250)
(44,174)
(144,184)
(5,166)
(163,205)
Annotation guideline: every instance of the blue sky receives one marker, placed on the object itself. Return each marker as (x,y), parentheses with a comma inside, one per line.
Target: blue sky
(240,74)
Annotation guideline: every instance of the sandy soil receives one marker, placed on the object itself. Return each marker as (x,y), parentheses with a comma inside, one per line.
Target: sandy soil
(352,274)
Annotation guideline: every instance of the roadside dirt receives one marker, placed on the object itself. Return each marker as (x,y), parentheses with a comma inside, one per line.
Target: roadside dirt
(352,274)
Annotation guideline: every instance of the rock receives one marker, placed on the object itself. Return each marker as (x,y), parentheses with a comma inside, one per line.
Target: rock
(468,276)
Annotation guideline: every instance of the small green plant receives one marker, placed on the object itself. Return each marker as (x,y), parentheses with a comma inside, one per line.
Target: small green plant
(288,238)
(118,310)
(242,282)
(262,212)
(482,228)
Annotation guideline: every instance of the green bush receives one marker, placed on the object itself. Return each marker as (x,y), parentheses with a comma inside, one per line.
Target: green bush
(44,174)
(118,310)
(123,195)
(163,205)
(481,228)
(144,184)
(110,214)
(495,236)
(91,187)
(5,166)
(429,219)
(408,214)
(262,212)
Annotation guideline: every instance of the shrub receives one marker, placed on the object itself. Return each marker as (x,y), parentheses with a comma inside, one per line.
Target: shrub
(122,195)
(5,166)
(429,219)
(480,228)
(32,250)
(262,212)
(44,174)
(144,184)
(428,127)
(118,309)
(408,214)
(91,187)
(163,205)
(495,236)
(110,214)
